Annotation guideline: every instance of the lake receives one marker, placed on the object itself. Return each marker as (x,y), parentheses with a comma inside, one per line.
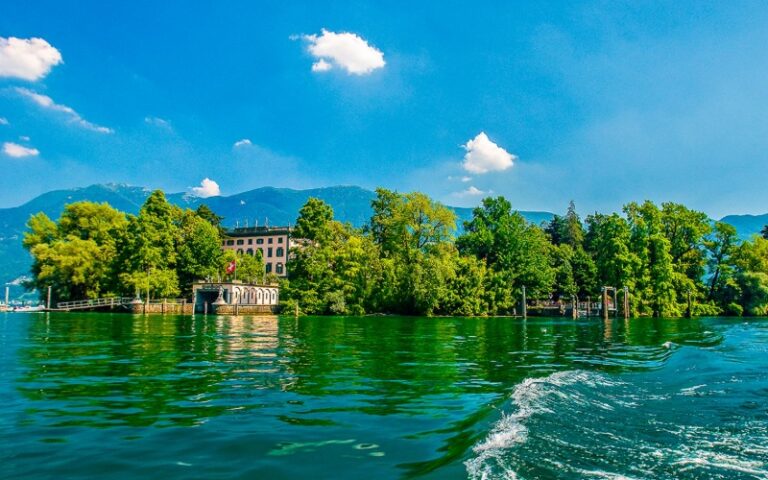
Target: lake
(120,396)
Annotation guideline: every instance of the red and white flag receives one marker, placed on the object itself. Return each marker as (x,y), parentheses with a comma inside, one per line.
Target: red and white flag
(232,266)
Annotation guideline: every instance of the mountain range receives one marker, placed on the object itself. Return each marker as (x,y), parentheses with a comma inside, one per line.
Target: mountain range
(266,205)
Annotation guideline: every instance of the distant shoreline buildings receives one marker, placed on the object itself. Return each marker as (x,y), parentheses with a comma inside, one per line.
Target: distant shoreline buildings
(273,242)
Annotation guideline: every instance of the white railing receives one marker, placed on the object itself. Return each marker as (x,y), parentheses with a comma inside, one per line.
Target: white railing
(94,303)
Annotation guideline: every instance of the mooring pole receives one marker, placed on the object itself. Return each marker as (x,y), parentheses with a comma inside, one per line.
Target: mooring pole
(575,307)
(525,304)
(7,295)
(605,303)
(626,302)
(689,313)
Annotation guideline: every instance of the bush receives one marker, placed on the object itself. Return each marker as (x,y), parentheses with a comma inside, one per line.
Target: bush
(734,310)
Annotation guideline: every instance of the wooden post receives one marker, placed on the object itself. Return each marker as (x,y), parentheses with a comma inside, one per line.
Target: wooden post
(605,303)
(296,310)
(525,305)
(575,307)
(205,308)
(48,300)
(689,312)
(237,309)
(626,302)
(7,295)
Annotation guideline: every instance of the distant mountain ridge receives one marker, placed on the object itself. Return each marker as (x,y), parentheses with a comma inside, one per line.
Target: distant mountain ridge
(278,206)
(747,225)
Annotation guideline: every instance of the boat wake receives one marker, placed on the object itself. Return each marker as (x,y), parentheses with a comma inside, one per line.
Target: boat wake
(582,424)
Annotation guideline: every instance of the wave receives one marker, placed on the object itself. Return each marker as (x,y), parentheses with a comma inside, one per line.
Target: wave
(583,424)
(534,396)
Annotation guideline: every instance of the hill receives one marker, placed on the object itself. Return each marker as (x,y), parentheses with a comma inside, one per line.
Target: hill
(747,225)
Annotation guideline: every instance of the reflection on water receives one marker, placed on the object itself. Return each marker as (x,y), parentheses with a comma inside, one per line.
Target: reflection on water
(413,395)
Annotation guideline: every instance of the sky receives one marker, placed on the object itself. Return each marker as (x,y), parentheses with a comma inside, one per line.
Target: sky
(543,102)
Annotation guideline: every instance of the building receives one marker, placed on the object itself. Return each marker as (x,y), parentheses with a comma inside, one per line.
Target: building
(274,243)
(234,297)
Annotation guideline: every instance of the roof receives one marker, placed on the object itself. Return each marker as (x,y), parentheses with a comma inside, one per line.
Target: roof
(257,231)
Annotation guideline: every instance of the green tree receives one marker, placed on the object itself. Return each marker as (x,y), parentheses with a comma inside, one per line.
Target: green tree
(516,253)
(75,256)
(199,250)
(719,246)
(314,216)
(149,254)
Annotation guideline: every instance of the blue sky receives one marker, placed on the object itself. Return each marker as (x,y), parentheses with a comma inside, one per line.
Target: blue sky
(599,102)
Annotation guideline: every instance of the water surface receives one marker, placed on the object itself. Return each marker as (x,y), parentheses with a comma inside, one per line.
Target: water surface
(120,396)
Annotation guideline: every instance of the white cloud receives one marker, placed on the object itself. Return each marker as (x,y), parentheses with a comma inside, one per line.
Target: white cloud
(207,188)
(484,156)
(466,179)
(47,102)
(344,50)
(243,143)
(321,66)
(29,59)
(158,122)
(4,121)
(19,151)
(472,191)
(24,138)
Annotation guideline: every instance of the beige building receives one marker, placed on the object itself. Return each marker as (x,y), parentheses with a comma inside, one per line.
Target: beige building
(274,243)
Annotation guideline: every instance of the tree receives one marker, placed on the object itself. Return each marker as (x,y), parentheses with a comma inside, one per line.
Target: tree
(204,212)
(654,273)
(568,229)
(764,232)
(149,254)
(608,243)
(75,256)
(199,250)
(720,246)
(314,216)
(516,253)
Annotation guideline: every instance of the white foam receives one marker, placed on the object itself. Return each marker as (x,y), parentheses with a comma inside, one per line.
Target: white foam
(530,398)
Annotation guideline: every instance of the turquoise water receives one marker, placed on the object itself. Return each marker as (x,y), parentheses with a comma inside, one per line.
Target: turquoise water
(117,396)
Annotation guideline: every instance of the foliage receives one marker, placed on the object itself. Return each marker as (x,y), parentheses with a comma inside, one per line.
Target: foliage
(95,251)
(405,260)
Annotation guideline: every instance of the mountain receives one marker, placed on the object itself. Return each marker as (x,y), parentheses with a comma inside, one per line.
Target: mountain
(747,225)
(278,206)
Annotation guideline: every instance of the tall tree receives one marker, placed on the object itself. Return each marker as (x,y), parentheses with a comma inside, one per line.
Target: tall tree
(720,245)
(149,253)
(75,257)
(517,253)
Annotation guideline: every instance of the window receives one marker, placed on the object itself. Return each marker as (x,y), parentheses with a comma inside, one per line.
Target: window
(259,241)
(280,252)
(240,251)
(268,268)
(279,269)
(269,252)
(230,242)
(280,240)
(270,240)
(249,251)
(240,242)
(250,241)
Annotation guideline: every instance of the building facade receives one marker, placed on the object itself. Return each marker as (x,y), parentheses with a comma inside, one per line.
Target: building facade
(273,242)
